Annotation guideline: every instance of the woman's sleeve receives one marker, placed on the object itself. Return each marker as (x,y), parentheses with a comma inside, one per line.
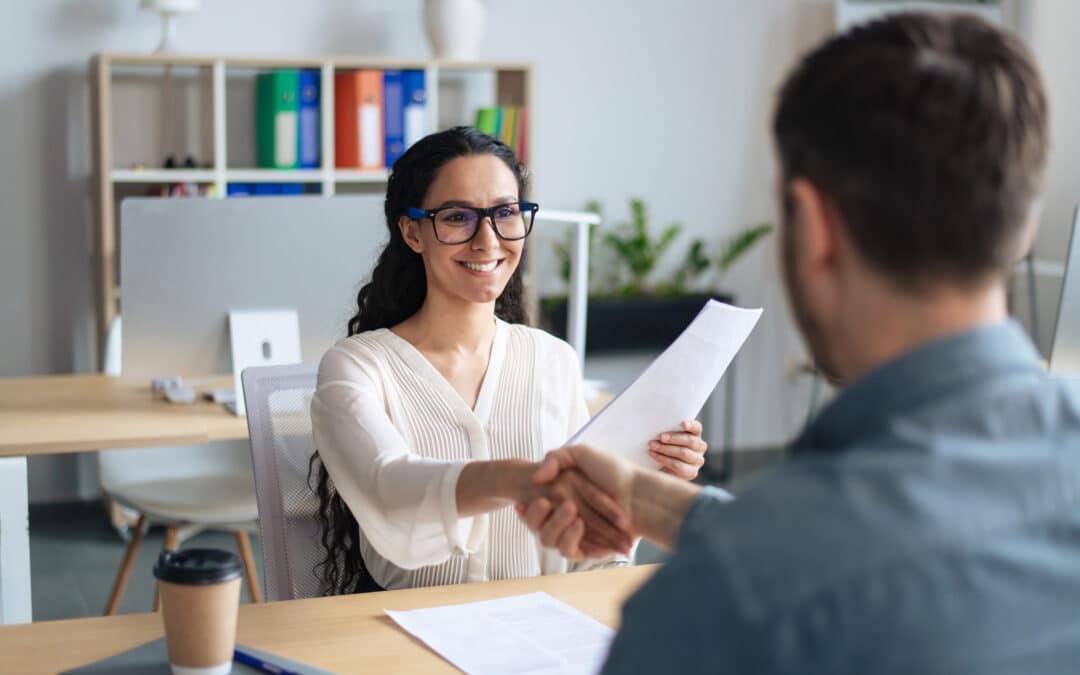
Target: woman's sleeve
(406,505)
(607,562)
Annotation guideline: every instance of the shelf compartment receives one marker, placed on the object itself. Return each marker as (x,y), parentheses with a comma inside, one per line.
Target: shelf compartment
(156,112)
(274,175)
(162,176)
(360,175)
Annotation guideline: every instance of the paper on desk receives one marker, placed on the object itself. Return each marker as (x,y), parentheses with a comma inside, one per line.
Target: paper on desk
(532,633)
(674,387)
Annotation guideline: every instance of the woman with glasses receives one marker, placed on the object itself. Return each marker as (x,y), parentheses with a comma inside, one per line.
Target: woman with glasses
(431,416)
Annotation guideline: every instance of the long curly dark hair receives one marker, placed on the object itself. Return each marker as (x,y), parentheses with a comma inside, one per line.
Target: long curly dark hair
(396,291)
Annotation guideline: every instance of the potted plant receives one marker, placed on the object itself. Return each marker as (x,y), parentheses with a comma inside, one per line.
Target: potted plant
(628,309)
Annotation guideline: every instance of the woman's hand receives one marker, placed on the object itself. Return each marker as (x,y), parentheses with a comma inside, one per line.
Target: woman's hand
(484,486)
(680,453)
(580,512)
(600,476)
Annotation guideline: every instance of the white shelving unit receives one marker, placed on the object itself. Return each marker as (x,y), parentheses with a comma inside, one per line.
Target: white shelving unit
(118,77)
(851,12)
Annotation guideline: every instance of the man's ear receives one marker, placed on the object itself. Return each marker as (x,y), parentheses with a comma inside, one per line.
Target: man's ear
(410,232)
(818,221)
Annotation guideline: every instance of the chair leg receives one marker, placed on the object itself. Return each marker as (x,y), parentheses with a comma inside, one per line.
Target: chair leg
(171,536)
(244,544)
(125,567)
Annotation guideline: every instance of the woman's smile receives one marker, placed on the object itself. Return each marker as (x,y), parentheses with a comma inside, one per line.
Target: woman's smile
(484,268)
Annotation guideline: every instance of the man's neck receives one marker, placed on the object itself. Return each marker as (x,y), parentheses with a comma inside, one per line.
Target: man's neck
(884,329)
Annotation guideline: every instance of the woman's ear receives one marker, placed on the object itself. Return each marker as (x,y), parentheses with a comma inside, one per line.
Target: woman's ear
(410,232)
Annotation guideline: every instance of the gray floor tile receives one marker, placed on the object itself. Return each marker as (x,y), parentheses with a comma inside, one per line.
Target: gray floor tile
(57,595)
(75,555)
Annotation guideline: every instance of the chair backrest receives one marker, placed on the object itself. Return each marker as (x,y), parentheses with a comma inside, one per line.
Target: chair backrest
(120,468)
(1065,347)
(278,400)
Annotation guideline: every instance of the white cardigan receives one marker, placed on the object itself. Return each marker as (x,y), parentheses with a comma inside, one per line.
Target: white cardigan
(394,436)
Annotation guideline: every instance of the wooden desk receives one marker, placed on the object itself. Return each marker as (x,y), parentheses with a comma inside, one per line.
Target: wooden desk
(79,413)
(345,634)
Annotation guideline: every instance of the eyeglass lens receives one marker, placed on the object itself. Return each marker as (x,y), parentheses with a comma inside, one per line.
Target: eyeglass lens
(456,225)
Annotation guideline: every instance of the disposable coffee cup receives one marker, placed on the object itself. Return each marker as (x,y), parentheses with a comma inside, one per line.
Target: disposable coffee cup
(200,596)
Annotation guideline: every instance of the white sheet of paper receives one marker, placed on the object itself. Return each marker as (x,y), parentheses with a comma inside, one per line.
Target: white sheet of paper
(674,387)
(532,633)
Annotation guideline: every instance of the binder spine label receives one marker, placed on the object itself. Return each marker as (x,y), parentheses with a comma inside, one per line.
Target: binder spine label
(370,136)
(285,127)
(414,124)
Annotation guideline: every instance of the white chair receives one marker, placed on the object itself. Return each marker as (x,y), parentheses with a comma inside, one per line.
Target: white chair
(278,400)
(188,489)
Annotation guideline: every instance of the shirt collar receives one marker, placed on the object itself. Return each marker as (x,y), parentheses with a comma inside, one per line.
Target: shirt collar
(913,378)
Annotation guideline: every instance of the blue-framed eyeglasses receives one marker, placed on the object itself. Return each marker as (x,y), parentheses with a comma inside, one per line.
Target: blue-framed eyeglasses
(459,224)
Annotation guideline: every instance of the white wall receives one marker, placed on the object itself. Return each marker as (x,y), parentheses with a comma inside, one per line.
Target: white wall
(1052,28)
(666,100)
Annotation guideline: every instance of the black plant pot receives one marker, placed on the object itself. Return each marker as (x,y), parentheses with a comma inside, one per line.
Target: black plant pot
(628,324)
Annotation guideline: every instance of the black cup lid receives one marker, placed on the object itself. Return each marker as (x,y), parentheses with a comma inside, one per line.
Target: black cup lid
(198,566)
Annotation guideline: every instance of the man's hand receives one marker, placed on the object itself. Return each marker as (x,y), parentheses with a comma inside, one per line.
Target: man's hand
(653,505)
(605,482)
(599,521)
(578,515)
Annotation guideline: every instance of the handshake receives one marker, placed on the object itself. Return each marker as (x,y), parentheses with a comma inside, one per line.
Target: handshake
(588,504)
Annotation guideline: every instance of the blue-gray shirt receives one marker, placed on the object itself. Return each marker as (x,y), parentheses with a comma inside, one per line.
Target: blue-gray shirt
(928,521)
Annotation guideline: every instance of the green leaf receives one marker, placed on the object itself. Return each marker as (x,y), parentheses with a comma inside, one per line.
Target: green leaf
(637,252)
(639,217)
(696,259)
(621,246)
(670,233)
(740,244)
(562,252)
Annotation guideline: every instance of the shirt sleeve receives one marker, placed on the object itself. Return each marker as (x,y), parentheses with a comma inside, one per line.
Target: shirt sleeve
(406,505)
(685,608)
(607,562)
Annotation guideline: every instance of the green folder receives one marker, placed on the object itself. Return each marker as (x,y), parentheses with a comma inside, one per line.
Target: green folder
(485,120)
(277,119)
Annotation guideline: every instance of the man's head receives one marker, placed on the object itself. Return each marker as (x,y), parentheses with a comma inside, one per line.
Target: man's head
(911,154)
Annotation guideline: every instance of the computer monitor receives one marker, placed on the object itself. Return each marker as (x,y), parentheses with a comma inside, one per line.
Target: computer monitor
(185,263)
(1065,348)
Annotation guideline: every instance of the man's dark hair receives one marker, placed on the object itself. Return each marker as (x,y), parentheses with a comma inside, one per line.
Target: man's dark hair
(929,135)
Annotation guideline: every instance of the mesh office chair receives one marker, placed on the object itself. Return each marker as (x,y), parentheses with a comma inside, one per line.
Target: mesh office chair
(278,401)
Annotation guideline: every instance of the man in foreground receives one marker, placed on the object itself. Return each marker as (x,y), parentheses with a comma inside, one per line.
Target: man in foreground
(929,519)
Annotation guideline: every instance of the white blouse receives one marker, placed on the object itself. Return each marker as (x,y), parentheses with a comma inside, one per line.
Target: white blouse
(394,436)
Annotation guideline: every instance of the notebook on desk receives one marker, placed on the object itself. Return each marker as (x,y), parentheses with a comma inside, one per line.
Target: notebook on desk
(152,659)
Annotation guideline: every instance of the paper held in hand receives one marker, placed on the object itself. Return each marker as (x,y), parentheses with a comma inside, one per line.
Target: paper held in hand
(674,387)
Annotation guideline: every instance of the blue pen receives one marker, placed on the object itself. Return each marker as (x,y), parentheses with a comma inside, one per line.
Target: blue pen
(259,664)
